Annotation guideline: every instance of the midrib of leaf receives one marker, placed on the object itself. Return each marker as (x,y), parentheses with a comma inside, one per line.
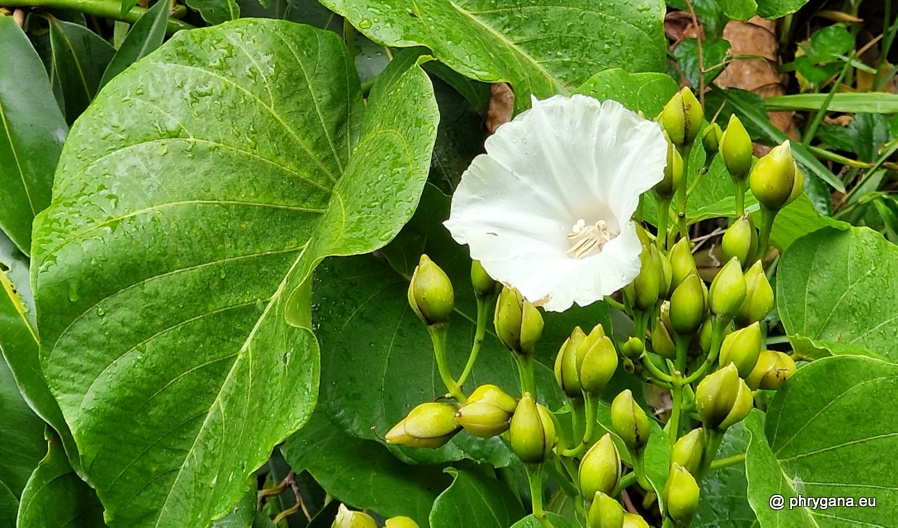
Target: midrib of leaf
(17,302)
(15,155)
(247,349)
(77,59)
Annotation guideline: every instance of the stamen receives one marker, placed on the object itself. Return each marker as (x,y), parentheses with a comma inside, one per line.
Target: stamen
(589,239)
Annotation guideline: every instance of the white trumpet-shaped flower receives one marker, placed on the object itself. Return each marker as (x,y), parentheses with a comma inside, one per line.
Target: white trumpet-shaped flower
(548,209)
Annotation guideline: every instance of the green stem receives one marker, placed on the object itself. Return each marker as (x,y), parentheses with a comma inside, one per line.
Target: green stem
(483,314)
(717,325)
(728,461)
(766,225)
(590,408)
(101,8)
(713,438)
(614,304)
(576,408)
(563,482)
(682,194)
(534,475)
(740,197)
(438,333)
(572,470)
(639,470)
(625,482)
(655,371)
(663,218)
(673,425)
(525,370)
(818,117)
(887,40)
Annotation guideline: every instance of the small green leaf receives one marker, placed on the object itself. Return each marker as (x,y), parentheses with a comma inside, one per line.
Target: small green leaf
(32,130)
(829,41)
(739,9)
(541,48)
(557,521)
(640,92)
(773,9)
(874,103)
(218,11)
(475,499)
(829,432)
(836,291)
(145,36)
(79,58)
(363,473)
(868,133)
(55,496)
(798,219)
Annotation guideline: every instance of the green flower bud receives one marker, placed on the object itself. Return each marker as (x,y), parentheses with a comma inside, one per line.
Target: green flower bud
(688,450)
(742,348)
(711,138)
(629,421)
(518,323)
(429,425)
(735,147)
(682,117)
(673,171)
(494,395)
(772,370)
(484,285)
(704,336)
(663,335)
(646,285)
(594,336)
(347,518)
(680,496)
(400,522)
(665,271)
(689,305)
(773,177)
(600,469)
(566,364)
(740,240)
(633,348)
(758,296)
(532,432)
(430,293)
(682,263)
(598,366)
(723,399)
(797,187)
(727,290)
(605,512)
(483,419)
(633,520)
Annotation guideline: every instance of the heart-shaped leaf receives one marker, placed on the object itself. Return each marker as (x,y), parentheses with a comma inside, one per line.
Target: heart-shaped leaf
(193,200)
(474,499)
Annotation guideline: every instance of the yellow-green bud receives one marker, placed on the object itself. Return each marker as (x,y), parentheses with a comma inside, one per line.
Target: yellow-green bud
(633,348)
(711,138)
(483,419)
(400,522)
(689,305)
(429,425)
(634,520)
(772,370)
(682,117)
(723,399)
(630,422)
(600,469)
(758,296)
(347,518)
(740,240)
(605,512)
(742,348)
(673,171)
(665,271)
(681,495)
(727,290)
(662,335)
(688,450)
(598,366)
(566,364)
(735,147)
(797,187)
(518,323)
(430,293)
(773,177)
(532,432)
(494,395)
(682,263)
(484,285)
(646,285)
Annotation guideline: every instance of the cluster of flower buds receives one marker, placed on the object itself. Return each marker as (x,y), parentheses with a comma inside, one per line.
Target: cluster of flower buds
(518,323)
(488,412)
(585,363)
(347,518)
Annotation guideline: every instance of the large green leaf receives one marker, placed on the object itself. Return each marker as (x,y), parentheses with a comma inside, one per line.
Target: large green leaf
(643,92)
(32,130)
(557,521)
(723,495)
(475,499)
(144,37)
(363,473)
(541,48)
(55,496)
(829,432)
(21,445)
(79,58)
(836,291)
(169,268)
(798,219)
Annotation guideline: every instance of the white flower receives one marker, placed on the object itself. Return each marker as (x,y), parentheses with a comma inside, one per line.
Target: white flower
(548,208)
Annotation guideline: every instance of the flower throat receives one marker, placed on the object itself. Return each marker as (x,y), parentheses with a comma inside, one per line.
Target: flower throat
(588,240)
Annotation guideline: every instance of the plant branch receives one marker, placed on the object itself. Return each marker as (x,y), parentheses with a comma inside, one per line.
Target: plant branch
(102,8)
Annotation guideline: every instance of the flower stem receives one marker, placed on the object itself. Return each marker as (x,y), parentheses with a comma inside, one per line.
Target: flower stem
(525,370)
(740,197)
(682,195)
(663,218)
(534,475)
(111,9)
(766,225)
(713,438)
(479,334)
(655,371)
(625,482)
(734,460)
(717,325)
(438,333)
